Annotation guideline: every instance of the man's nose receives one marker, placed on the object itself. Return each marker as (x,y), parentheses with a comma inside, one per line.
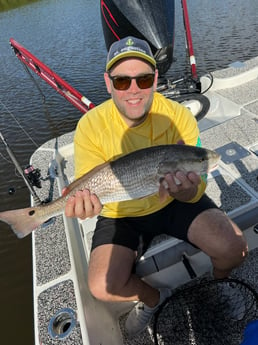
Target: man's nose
(133,86)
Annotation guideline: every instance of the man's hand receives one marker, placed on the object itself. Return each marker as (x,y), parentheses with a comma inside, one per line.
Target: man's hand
(83,205)
(180,186)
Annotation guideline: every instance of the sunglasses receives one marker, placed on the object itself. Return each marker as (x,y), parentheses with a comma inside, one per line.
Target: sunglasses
(122,83)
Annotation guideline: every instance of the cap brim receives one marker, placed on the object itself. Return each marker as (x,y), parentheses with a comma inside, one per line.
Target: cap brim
(130,54)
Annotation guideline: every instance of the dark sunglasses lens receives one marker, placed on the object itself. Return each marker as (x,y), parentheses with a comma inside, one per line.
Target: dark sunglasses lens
(122,83)
(145,81)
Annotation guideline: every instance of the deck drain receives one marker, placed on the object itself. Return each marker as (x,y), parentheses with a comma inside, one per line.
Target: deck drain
(62,324)
(232,152)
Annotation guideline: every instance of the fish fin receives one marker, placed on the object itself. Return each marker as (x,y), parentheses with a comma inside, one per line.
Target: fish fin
(22,221)
(163,192)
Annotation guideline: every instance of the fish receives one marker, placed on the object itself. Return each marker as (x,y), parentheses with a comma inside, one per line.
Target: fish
(132,176)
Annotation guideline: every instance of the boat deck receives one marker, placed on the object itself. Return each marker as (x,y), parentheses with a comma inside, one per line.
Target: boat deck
(61,249)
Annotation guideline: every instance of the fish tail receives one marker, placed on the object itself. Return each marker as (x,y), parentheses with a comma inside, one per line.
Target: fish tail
(22,221)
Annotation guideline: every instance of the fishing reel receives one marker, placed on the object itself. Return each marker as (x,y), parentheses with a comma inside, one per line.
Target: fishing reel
(34,178)
(33,175)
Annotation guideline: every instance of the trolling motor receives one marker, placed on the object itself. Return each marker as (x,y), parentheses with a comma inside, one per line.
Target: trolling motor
(153,21)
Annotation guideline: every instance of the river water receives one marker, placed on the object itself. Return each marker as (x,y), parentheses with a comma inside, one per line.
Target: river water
(67,36)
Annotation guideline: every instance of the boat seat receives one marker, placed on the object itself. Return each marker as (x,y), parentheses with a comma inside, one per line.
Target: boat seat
(164,251)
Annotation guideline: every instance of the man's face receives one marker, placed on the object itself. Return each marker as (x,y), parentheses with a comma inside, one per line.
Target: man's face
(133,103)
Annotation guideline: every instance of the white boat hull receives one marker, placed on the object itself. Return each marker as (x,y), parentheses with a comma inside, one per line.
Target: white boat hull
(61,250)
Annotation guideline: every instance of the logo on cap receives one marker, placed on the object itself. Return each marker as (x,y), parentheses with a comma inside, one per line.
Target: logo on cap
(129,42)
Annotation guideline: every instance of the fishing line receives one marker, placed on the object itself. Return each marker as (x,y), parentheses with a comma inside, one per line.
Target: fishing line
(18,170)
(52,125)
(35,82)
(18,123)
(9,161)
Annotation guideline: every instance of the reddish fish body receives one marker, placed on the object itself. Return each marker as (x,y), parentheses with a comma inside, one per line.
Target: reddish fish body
(132,176)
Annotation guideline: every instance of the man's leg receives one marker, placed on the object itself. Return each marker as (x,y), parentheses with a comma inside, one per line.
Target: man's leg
(221,239)
(111,279)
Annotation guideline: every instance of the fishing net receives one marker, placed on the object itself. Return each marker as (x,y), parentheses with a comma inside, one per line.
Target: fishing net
(213,312)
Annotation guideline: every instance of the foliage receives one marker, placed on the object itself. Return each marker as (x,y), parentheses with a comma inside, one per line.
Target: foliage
(10,4)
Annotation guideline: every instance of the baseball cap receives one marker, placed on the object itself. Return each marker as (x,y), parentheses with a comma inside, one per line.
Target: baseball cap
(129,47)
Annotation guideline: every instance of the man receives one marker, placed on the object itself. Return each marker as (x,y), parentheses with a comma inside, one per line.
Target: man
(136,117)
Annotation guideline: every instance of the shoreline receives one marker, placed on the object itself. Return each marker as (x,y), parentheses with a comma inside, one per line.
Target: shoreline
(6,6)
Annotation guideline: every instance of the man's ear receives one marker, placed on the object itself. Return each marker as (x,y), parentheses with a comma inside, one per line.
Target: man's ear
(156,80)
(108,82)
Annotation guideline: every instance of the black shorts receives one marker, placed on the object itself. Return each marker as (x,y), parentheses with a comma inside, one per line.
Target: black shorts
(137,232)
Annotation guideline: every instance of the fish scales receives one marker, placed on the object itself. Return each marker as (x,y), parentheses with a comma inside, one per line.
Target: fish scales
(138,172)
(135,175)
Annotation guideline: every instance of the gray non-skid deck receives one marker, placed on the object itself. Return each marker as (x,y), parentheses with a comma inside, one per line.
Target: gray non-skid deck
(234,187)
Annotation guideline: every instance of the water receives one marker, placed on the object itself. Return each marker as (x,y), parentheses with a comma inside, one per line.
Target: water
(67,36)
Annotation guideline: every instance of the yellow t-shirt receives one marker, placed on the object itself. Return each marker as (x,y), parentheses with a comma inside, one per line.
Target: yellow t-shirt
(102,135)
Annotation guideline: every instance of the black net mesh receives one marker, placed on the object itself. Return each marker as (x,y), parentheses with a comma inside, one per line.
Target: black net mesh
(209,313)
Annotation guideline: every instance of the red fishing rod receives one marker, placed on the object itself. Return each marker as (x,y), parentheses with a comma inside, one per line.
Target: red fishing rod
(54,80)
(189,39)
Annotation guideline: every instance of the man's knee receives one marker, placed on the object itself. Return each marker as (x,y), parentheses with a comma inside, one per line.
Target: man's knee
(233,244)
(110,268)
(214,233)
(99,288)
(236,248)
(105,288)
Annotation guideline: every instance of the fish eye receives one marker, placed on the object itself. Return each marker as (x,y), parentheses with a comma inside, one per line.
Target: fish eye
(31,212)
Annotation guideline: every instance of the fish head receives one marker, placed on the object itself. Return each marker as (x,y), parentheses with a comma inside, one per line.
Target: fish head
(189,159)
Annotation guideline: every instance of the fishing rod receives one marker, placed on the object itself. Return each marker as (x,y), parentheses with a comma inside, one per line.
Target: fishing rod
(189,41)
(53,79)
(18,167)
